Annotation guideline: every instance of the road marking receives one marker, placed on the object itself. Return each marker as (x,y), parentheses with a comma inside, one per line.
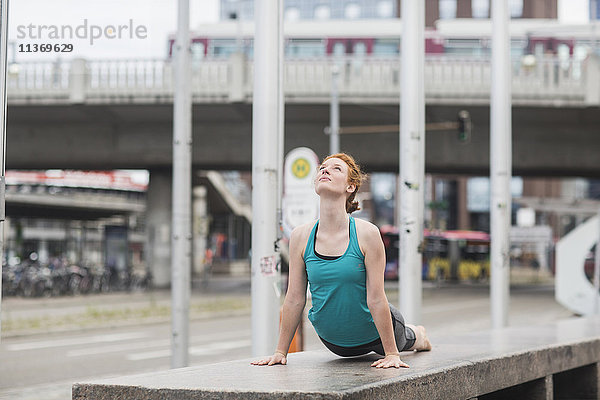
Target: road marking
(195,350)
(459,305)
(115,337)
(117,348)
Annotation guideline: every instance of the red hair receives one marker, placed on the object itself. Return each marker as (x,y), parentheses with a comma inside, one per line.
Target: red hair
(355,177)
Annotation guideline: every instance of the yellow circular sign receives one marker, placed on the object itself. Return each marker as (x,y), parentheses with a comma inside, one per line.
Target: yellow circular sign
(300,168)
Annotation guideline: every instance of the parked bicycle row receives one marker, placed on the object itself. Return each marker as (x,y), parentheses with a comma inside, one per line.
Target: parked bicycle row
(32,279)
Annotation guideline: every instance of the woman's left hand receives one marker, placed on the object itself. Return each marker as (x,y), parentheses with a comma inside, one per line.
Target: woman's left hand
(390,361)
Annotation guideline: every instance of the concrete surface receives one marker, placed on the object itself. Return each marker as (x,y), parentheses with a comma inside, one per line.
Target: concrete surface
(459,367)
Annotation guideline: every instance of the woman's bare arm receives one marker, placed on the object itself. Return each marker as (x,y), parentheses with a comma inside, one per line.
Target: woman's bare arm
(374,251)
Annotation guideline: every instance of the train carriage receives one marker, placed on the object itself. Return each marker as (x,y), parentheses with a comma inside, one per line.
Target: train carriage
(381,38)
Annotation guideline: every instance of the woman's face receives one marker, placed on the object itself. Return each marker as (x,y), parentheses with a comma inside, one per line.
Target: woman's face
(333,176)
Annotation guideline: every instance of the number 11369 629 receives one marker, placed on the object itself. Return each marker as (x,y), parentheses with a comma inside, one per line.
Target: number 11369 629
(45,48)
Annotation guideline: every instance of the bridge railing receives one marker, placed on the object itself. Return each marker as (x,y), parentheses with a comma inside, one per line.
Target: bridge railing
(541,81)
(129,76)
(39,78)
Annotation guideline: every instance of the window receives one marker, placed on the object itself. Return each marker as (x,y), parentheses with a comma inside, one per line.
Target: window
(292,14)
(352,11)
(339,49)
(222,47)
(322,12)
(447,9)
(305,48)
(385,9)
(480,8)
(386,47)
(478,192)
(360,49)
(197,51)
(515,8)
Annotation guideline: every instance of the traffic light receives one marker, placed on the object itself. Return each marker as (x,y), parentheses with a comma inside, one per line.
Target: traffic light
(464,126)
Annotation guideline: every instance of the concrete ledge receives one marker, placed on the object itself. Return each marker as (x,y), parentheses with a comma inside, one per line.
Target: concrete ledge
(486,365)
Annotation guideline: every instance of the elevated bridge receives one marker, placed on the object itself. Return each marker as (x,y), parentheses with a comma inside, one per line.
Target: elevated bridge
(109,114)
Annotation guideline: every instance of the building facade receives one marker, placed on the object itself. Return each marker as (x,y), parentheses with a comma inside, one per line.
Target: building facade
(316,9)
(594,10)
(369,9)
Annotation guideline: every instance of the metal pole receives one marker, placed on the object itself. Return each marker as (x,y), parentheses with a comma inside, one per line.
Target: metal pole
(182,191)
(597,271)
(500,164)
(280,122)
(412,135)
(422,129)
(3,64)
(334,112)
(265,126)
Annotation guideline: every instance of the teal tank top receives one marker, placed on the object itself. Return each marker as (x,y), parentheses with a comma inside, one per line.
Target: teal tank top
(339,311)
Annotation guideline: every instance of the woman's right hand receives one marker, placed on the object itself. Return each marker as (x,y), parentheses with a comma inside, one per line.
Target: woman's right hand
(276,358)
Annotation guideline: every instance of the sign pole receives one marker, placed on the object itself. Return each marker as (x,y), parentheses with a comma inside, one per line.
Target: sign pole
(266,125)
(181,235)
(3,107)
(500,165)
(412,136)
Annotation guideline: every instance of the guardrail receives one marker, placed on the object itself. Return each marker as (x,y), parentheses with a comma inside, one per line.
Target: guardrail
(546,81)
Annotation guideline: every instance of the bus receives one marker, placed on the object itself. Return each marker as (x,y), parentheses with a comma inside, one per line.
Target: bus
(447,255)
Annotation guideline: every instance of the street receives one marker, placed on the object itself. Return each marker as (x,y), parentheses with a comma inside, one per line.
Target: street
(44,366)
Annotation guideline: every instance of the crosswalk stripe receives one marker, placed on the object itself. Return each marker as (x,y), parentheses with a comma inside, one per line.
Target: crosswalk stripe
(195,350)
(43,344)
(454,306)
(153,343)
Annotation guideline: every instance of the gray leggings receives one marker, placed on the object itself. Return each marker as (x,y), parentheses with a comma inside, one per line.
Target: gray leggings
(405,339)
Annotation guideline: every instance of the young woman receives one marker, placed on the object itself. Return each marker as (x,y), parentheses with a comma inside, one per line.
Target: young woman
(344,260)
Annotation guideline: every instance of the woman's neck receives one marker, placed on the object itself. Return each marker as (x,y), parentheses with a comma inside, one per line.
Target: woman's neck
(333,215)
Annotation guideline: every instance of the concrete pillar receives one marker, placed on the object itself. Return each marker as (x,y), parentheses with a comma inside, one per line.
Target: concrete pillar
(592,80)
(237,77)
(461,203)
(78,80)
(542,256)
(71,242)
(158,227)
(43,255)
(200,231)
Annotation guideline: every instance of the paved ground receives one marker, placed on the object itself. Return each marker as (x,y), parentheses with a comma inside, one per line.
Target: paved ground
(50,343)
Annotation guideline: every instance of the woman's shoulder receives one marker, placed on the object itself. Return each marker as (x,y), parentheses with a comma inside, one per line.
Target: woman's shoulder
(368,234)
(299,237)
(364,226)
(302,231)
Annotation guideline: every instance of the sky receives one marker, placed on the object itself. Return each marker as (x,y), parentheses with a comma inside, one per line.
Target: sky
(153,20)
